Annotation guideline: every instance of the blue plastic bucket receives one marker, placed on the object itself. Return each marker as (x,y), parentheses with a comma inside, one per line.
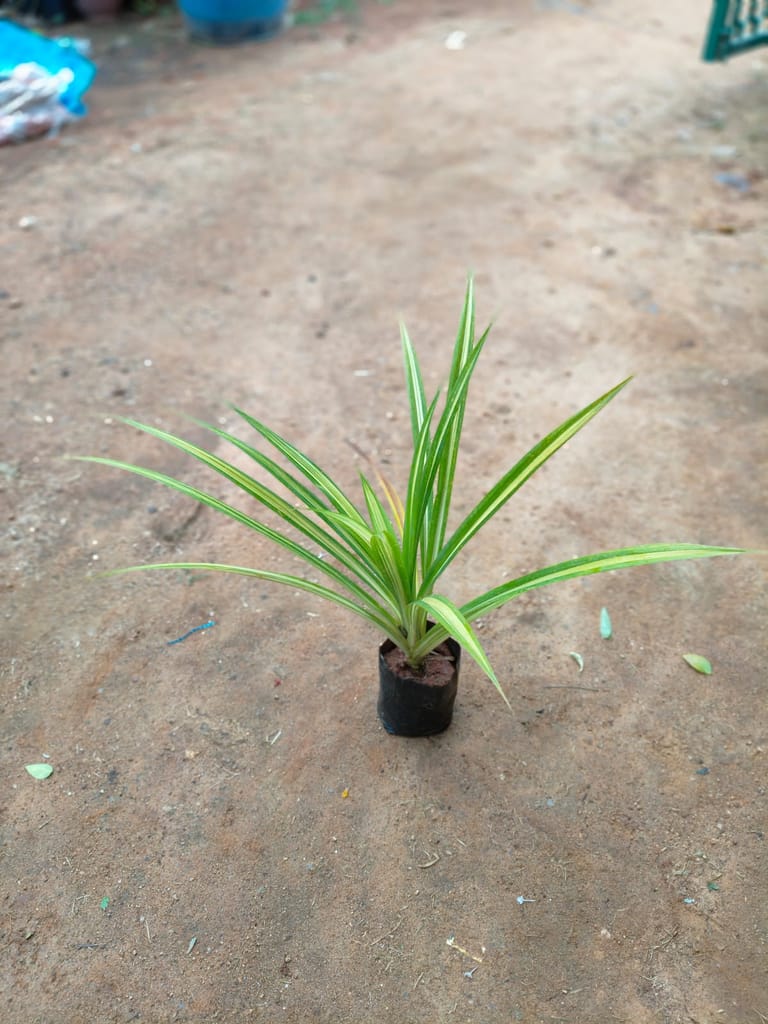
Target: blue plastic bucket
(230,21)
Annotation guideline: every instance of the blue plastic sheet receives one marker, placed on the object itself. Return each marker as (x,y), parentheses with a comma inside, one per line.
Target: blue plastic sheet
(20,46)
(42,82)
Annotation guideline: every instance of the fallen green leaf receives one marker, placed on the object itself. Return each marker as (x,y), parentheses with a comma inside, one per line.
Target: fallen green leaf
(698,662)
(578,659)
(606,629)
(39,771)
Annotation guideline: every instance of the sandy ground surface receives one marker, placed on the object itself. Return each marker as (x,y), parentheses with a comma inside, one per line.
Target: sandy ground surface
(246,225)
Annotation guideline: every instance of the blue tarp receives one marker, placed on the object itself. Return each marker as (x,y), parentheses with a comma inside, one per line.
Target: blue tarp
(20,46)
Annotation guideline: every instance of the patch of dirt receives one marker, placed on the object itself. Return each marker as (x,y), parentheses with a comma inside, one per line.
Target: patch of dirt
(245,225)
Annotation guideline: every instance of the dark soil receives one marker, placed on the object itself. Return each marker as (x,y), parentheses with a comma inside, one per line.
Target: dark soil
(436,669)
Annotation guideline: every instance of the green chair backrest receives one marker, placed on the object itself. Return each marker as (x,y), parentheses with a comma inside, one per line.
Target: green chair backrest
(735,26)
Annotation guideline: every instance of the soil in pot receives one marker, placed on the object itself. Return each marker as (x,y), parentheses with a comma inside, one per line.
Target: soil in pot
(418,702)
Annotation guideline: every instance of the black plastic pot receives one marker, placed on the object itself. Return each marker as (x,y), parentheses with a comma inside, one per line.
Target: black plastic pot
(409,706)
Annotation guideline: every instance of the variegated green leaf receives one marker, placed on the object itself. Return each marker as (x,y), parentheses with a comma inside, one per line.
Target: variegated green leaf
(605,561)
(446,614)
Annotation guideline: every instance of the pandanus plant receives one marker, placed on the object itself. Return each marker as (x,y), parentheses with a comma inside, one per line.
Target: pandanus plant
(384,560)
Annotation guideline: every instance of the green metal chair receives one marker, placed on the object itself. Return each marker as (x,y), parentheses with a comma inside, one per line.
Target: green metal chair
(735,26)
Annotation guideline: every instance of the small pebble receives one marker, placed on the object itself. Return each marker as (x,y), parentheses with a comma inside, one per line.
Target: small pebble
(730,179)
(456,40)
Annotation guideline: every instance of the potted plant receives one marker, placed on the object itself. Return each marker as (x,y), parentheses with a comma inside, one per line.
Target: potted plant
(384,563)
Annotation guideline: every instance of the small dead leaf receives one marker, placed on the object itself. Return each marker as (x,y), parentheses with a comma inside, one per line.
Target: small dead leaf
(699,663)
(606,629)
(39,771)
(578,659)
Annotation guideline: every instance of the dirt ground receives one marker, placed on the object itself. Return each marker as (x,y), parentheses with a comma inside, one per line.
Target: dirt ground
(246,225)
